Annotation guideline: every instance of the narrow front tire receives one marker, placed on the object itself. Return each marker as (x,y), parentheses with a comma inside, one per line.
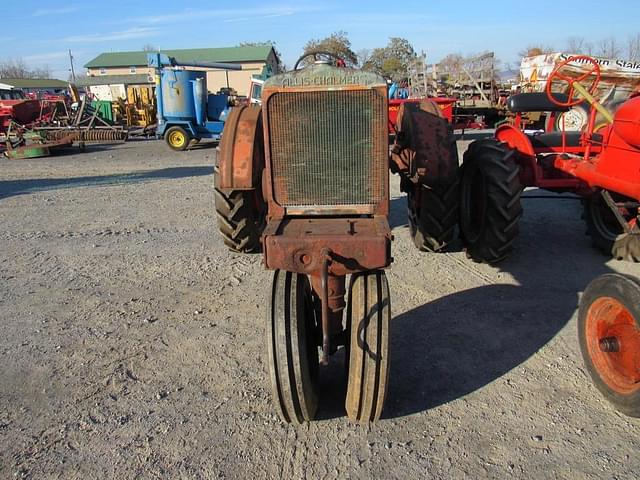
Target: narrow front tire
(369,315)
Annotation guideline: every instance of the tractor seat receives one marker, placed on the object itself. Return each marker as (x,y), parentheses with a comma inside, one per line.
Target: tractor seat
(535,102)
(554,139)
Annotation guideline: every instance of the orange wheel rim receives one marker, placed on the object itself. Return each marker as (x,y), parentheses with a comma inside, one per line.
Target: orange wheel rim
(613,343)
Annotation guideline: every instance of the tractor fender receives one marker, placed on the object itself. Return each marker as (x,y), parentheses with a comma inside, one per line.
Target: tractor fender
(424,150)
(515,139)
(241,155)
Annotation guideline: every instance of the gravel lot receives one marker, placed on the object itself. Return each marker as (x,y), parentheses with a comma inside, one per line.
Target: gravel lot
(131,342)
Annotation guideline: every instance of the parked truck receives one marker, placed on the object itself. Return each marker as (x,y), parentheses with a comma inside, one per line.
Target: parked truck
(186,111)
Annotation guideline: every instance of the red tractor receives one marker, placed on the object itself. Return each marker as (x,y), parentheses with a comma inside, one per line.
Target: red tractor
(304,178)
(601,166)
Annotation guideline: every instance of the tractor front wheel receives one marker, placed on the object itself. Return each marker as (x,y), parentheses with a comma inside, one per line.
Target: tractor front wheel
(368,317)
(292,347)
(609,334)
(490,206)
(177,138)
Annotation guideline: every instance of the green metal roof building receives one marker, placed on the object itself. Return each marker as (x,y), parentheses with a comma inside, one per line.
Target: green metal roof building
(253,59)
(227,55)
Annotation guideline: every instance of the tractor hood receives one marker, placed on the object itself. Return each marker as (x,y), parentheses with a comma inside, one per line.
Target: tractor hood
(323,76)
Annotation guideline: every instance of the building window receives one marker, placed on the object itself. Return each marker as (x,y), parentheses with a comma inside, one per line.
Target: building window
(103,71)
(132,69)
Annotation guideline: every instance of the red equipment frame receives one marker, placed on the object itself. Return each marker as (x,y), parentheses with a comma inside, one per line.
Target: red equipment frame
(612,163)
(444,104)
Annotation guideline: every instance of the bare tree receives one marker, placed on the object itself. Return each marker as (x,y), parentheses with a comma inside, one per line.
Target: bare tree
(609,48)
(41,72)
(451,63)
(14,68)
(579,45)
(633,48)
(17,68)
(533,50)
(364,55)
(79,75)
(149,48)
(575,44)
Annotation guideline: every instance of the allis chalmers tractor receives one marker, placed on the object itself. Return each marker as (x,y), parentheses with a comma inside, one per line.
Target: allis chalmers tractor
(601,166)
(305,179)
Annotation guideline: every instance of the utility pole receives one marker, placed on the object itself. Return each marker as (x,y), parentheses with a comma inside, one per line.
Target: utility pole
(73,72)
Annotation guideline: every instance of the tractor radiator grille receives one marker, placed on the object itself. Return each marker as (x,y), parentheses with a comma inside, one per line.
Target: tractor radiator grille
(328,148)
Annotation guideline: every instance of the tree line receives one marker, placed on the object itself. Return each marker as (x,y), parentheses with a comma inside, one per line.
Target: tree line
(17,68)
(609,47)
(393,60)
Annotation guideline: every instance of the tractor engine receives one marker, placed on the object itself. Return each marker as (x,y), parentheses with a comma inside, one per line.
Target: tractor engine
(326,177)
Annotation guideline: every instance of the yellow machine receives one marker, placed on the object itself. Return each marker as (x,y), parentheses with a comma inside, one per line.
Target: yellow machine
(140,109)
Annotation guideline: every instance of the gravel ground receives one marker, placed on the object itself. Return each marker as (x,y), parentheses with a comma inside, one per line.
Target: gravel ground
(131,342)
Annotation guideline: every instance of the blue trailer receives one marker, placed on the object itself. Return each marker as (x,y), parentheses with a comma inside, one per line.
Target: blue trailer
(186,111)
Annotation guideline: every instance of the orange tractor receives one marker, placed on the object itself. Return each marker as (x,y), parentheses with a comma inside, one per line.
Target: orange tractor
(603,167)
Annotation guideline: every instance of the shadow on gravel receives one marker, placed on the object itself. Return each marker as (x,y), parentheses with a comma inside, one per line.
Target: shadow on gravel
(10,188)
(398,212)
(457,344)
(333,388)
(203,145)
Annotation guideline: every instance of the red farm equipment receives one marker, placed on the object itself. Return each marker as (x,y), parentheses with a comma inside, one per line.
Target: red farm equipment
(304,178)
(445,105)
(602,166)
(22,111)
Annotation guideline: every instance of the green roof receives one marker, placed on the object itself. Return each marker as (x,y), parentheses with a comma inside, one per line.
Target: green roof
(135,79)
(34,82)
(228,54)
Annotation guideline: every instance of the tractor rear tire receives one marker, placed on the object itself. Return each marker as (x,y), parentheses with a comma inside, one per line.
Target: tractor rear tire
(177,138)
(292,347)
(433,215)
(609,335)
(490,207)
(368,318)
(241,218)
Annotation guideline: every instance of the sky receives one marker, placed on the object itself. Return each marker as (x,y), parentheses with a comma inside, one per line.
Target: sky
(42,32)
